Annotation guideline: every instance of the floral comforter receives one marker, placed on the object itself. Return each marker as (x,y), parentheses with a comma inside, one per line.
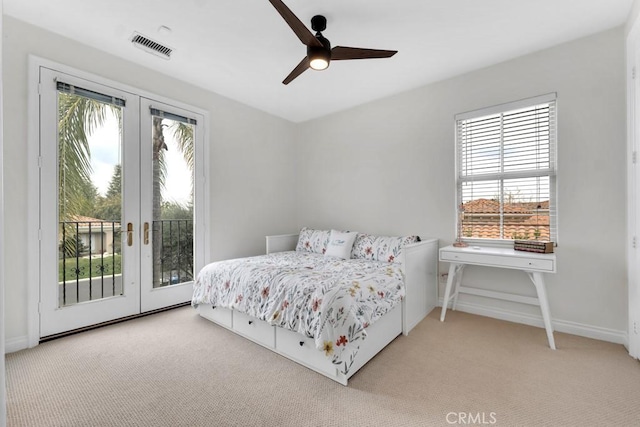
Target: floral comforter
(331,300)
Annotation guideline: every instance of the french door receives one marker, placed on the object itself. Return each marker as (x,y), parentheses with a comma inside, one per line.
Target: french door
(117,211)
(167,205)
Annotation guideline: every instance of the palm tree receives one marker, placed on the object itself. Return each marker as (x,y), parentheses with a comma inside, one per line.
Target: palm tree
(79,117)
(183,135)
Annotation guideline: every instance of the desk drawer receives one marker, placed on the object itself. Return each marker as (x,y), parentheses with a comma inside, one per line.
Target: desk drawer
(493,260)
(254,329)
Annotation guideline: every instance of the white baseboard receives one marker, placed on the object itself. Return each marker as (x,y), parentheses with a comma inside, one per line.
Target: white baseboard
(588,331)
(11,345)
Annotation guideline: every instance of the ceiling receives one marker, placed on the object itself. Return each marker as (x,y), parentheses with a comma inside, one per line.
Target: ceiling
(243,49)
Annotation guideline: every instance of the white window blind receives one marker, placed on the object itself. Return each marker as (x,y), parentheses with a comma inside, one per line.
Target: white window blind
(506,163)
(75,90)
(174,117)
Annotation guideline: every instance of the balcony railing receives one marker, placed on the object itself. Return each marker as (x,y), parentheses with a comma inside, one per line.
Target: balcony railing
(90,258)
(174,257)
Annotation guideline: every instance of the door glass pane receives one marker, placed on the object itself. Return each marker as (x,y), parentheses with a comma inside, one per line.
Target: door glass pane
(89,199)
(172,234)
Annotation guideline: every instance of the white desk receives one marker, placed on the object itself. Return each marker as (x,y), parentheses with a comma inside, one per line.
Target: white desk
(533,264)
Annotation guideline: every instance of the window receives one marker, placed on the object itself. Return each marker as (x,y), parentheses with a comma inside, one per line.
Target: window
(506,171)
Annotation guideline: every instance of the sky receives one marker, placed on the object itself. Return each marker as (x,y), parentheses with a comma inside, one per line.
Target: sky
(105,154)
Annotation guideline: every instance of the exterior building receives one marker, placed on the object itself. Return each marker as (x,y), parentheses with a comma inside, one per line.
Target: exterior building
(522,220)
(94,236)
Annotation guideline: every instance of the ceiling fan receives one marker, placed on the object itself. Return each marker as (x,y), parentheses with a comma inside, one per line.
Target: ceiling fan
(319,52)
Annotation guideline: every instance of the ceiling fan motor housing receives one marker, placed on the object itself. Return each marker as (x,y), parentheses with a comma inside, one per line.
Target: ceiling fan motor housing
(317,52)
(318,23)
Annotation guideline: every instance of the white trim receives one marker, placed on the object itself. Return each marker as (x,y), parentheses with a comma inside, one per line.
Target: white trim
(3,390)
(633,179)
(33,279)
(203,207)
(508,175)
(33,201)
(16,344)
(573,328)
(522,103)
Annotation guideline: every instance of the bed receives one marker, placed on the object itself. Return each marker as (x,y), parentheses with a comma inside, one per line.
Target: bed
(326,299)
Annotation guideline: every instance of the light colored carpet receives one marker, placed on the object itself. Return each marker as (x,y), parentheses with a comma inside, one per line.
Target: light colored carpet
(177,369)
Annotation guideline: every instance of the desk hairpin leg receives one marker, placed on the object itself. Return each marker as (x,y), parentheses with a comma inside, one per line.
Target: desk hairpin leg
(452,290)
(538,282)
(455,273)
(456,287)
(535,266)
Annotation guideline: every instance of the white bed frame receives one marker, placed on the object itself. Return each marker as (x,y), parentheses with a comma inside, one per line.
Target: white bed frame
(420,267)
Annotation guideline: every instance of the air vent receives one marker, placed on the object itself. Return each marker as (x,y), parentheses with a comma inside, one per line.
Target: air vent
(151,46)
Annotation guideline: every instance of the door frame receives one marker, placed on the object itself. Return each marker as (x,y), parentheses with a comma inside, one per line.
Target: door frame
(632,75)
(3,392)
(201,178)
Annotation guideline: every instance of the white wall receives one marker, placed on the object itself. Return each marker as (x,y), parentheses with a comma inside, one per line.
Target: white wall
(251,157)
(388,167)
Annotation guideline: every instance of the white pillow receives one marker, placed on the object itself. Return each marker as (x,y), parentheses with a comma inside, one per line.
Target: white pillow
(340,244)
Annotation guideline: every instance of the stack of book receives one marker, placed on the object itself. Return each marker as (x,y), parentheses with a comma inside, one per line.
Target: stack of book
(533,246)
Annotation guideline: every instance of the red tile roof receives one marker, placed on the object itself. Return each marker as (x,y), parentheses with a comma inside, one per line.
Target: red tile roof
(527,222)
(493,206)
(85,221)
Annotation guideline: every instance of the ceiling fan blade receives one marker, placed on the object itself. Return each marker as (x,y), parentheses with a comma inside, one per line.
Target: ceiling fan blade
(340,52)
(300,68)
(303,33)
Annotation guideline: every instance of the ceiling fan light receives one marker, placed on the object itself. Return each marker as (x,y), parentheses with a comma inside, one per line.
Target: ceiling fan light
(318,63)
(319,57)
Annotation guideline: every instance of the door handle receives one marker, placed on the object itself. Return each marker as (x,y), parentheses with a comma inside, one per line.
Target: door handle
(146,233)
(129,234)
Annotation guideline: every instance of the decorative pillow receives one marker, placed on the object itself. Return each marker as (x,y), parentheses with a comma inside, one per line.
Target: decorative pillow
(340,244)
(381,248)
(310,240)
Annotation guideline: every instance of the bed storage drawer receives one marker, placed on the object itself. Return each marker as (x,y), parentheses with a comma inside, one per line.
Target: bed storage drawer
(303,350)
(254,329)
(219,315)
